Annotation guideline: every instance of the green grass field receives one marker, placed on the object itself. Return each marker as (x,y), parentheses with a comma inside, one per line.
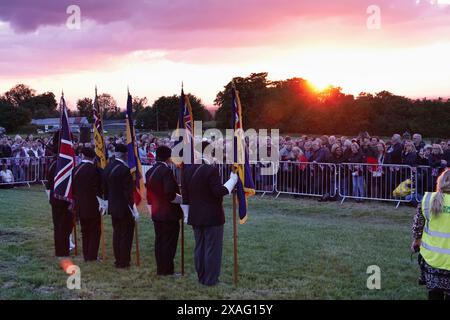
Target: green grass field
(289,249)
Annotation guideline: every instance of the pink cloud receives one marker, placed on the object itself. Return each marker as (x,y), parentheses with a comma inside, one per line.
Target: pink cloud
(37,41)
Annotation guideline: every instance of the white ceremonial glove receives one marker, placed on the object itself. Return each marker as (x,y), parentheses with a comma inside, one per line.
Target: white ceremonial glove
(231,183)
(47,192)
(102,205)
(134,212)
(185,208)
(178,199)
(149,207)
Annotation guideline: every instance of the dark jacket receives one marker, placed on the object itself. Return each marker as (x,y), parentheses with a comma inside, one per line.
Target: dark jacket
(394,154)
(204,192)
(5,151)
(161,191)
(322,155)
(356,158)
(50,184)
(118,189)
(86,187)
(410,159)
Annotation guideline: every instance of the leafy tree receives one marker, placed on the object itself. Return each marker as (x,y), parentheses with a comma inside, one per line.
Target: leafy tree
(12,117)
(167,109)
(109,107)
(85,108)
(42,106)
(139,104)
(19,94)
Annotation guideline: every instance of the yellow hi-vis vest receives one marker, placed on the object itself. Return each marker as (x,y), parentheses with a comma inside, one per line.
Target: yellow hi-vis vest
(435,247)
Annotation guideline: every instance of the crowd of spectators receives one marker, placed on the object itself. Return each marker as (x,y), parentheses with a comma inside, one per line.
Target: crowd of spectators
(381,167)
(299,157)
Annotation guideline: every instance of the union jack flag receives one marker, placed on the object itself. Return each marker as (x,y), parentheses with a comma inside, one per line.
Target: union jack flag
(65,162)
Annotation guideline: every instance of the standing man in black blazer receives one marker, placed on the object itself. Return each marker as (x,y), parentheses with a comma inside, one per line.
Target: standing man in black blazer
(203,192)
(164,199)
(118,187)
(61,215)
(87,186)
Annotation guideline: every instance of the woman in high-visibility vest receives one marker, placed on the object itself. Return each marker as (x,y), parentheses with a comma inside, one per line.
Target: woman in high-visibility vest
(431,233)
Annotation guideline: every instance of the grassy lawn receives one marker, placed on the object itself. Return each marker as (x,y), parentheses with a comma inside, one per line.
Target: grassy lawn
(289,249)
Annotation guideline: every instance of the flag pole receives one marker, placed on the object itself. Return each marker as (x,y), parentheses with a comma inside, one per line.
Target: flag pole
(102,223)
(182,218)
(235,244)
(182,230)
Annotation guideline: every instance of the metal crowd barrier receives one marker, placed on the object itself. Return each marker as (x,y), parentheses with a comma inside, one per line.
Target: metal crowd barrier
(425,180)
(375,182)
(24,170)
(264,183)
(306,179)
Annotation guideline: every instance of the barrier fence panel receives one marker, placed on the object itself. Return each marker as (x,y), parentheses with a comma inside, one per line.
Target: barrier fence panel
(425,179)
(264,183)
(44,165)
(376,182)
(306,179)
(264,176)
(20,171)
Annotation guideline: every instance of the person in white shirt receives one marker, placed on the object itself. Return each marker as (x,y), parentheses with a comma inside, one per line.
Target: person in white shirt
(6,177)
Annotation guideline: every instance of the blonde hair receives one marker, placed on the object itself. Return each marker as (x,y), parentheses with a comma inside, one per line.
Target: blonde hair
(438,146)
(442,188)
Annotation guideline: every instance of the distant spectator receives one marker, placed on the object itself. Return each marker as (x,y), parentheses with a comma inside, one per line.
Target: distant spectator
(286,152)
(418,142)
(356,156)
(308,150)
(6,177)
(409,154)
(394,152)
(321,152)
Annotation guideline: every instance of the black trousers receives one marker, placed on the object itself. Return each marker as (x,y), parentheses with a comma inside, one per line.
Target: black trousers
(166,239)
(62,228)
(208,253)
(90,233)
(437,294)
(123,232)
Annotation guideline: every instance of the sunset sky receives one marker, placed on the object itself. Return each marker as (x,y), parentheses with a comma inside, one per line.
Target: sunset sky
(153,45)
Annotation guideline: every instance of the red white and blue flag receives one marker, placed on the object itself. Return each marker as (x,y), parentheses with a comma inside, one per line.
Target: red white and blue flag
(186,122)
(65,163)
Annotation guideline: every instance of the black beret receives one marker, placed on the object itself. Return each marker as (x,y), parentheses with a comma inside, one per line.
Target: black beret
(121,148)
(163,153)
(88,152)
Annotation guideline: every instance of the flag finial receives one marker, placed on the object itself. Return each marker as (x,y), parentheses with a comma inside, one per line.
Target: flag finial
(182,85)
(62,93)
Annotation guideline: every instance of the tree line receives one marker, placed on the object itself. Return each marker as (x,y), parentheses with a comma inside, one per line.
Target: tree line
(21,104)
(292,105)
(295,106)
